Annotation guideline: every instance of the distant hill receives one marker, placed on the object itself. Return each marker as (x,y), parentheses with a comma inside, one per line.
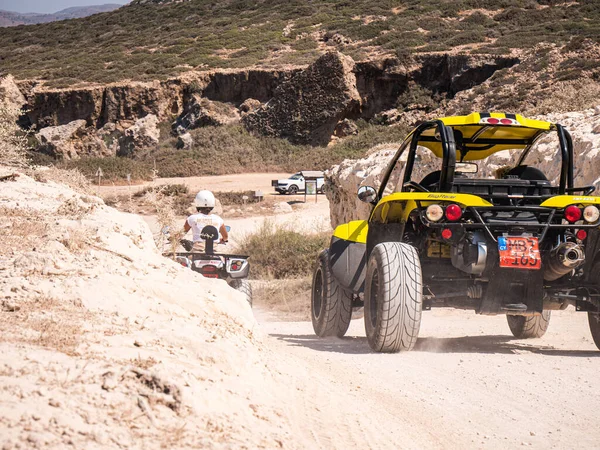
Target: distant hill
(11,19)
(157,39)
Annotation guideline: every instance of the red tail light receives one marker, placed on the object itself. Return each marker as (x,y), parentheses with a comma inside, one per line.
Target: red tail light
(572,213)
(581,235)
(453,212)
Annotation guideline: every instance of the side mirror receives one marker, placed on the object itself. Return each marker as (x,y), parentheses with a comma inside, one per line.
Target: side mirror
(367,194)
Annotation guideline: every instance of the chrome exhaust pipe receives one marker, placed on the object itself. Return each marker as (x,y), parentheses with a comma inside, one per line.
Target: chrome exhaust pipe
(562,260)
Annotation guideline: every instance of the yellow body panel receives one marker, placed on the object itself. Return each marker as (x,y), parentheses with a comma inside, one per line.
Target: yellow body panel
(562,201)
(355,231)
(474,119)
(396,207)
(527,129)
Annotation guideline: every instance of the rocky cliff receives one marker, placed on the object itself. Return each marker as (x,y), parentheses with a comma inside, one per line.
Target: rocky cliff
(374,87)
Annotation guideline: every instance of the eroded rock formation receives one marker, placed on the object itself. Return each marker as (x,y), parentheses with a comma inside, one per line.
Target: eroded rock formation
(307,108)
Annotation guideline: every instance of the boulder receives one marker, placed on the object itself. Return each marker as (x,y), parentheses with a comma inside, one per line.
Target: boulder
(185,142)
(73,140)
(345,128)
(249,105)
(201,112)
(143,134)
(10,93)
(342,183)
(307,108)
(282,208)
(63,141)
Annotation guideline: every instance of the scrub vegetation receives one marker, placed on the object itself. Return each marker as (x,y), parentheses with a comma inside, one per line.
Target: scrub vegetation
(157,39)
(237,151)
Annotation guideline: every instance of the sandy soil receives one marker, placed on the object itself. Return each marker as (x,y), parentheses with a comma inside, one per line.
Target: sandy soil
(105,344)
(468,384)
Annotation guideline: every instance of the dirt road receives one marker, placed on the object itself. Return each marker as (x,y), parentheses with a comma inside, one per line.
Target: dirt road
(222,183)
(468,384)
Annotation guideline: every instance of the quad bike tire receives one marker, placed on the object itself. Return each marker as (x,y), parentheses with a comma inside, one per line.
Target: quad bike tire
(330,305)
(393,297)
(293,189)
(529,327)
(244,287)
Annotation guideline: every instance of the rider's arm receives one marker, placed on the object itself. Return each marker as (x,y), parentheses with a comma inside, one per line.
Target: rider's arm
(186,227)
(224,235)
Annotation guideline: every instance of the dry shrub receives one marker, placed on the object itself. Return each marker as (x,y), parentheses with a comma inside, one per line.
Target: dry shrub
(279,252)
(166,217)
(21,229)
(69,177)
(76,240)
(13,142)
(290,298)
(74,209)
(44,321)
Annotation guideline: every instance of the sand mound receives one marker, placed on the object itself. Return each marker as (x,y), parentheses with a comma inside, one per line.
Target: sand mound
(105,343)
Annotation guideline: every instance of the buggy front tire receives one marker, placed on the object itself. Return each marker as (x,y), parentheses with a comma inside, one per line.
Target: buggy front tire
(331,305)
(529,327)
(393,297)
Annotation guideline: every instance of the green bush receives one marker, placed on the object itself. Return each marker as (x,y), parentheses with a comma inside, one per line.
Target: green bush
(279,252)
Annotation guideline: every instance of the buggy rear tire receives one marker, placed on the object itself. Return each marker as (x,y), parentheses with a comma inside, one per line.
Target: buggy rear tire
(594,320)
(330,305)
(393,297)
(529,327)
(244,287)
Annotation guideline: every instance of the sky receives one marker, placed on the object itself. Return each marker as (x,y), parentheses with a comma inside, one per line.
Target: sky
(50,6)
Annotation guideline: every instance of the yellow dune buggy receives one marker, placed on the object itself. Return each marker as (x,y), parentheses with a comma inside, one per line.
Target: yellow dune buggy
(516,244)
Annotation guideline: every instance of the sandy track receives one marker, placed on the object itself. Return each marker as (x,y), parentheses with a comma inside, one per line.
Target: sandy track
(468,384)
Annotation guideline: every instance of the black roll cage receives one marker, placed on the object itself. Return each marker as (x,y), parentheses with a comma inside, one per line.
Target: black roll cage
(447,139)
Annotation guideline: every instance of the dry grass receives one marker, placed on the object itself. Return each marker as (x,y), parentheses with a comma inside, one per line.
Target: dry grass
(43,321)
(289,298)
(166,216)
(13,142)
(278,251)
(76,240)
(70,177)
(21,229)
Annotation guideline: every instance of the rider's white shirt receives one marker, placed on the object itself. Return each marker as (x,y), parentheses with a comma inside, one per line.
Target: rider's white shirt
(199,221)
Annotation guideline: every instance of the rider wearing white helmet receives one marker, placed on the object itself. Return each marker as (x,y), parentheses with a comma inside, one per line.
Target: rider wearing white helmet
(204,202)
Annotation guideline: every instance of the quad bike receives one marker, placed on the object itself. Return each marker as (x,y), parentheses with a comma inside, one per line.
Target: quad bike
(518,245)
(232,268)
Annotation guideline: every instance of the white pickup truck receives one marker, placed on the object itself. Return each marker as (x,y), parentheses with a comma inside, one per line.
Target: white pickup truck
(296,183)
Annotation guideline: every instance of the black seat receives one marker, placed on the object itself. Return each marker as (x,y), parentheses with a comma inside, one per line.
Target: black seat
(526,173)
(431,179)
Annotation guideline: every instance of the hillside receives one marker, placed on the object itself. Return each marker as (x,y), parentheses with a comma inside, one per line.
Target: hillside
(157,39)
(11,19)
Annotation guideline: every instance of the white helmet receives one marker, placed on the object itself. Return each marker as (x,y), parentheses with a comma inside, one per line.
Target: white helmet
(204,199)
